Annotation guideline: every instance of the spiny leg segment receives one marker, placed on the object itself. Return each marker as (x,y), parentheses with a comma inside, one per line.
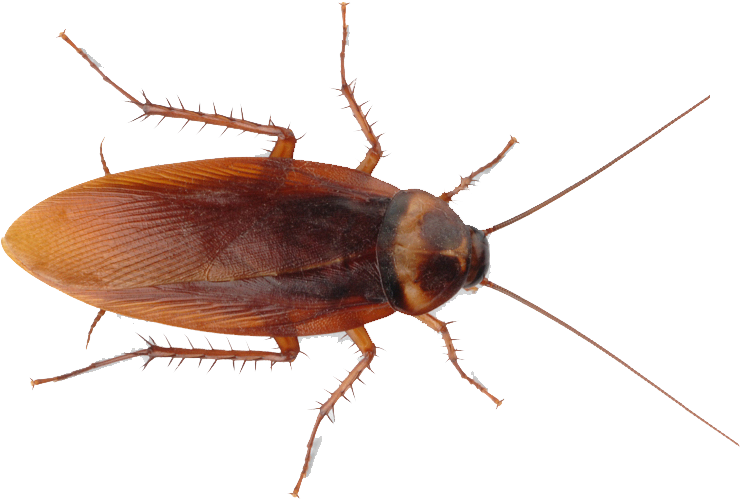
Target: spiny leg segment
(467,182)
(364,343)
(284,145)
(375,152)
(441,328)
(358,335)
(289,350)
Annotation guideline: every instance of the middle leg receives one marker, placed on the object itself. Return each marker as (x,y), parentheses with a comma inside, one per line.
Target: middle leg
(364,343)
(375,152)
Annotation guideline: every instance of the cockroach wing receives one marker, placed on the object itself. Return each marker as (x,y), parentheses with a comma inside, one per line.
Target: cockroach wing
(257,246)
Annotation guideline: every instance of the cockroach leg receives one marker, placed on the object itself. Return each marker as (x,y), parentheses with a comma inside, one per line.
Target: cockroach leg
(465,182)
(95,321)
(285,138)
(375,152)
(289,349)
(102,159)
(441,327)
(364,343)
(101,312)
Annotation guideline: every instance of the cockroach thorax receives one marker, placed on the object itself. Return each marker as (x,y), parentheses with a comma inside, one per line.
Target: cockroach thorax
(426,253)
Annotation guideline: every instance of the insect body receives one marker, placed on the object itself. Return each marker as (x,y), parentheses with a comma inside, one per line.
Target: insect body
(257,246)
(327,249)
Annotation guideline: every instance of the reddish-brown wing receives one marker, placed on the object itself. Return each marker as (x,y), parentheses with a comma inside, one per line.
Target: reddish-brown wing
(258,246)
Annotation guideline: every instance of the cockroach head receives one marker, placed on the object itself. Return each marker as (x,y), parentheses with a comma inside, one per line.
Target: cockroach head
(479,258)
(426,254)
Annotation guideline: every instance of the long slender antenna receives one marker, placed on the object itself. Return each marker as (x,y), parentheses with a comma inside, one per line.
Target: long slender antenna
(486,282)
(583,181)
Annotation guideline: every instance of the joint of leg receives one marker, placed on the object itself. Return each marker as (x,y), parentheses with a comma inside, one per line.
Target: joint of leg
(326,408)
(290,355)
(288,135)
(370,351)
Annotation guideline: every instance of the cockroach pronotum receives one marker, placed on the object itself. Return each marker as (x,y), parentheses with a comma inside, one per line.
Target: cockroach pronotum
(132,257)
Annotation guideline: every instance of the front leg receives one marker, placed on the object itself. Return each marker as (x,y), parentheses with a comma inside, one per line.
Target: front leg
(441,327)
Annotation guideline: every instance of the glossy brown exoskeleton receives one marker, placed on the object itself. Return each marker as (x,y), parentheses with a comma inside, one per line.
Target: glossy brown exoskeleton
(253,246)
(271,247)
(426,254)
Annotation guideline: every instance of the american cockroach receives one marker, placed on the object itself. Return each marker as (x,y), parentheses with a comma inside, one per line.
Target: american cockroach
(495,328)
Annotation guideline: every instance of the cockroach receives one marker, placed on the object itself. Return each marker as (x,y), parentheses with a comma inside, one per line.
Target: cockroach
(488,327)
